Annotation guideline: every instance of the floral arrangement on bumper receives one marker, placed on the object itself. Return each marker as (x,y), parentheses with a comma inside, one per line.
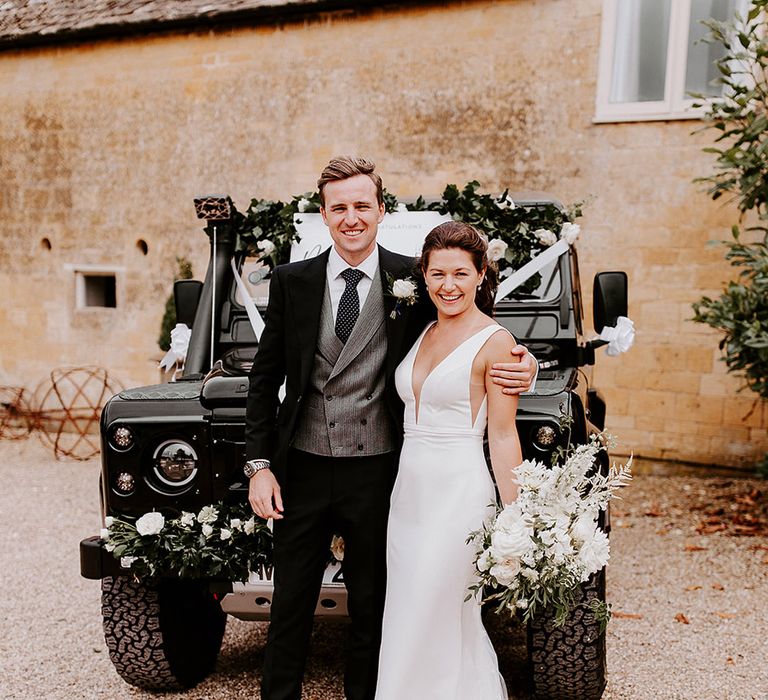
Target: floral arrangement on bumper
(534,553)
(224,541)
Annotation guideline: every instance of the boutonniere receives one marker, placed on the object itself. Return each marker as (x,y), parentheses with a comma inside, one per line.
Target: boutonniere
(404,292)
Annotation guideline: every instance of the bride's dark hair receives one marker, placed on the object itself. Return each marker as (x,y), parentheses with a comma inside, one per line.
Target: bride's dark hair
(457,234)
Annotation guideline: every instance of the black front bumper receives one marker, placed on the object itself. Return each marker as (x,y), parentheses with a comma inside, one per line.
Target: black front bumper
(96,562)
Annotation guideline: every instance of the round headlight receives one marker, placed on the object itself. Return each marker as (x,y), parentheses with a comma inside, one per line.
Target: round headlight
(175,463)
(545,436)
(125,484)
(121,438)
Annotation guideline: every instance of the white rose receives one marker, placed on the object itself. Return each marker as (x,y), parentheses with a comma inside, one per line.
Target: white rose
(207,514)
(126,562)
(402,289)
(104,533)
(570,232)
(108,521)
(303,204)
(236,524)
(150,523)
(187,519)
(496,249)
(207,529)
(522,603)
(545,236)
(505,571)
(583,530)
(484,561)
(250,526)
(225,534)
(402,207)
(337,548)
(593,554)
(266,248)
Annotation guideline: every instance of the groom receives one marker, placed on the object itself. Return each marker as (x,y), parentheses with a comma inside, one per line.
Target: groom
(324,460)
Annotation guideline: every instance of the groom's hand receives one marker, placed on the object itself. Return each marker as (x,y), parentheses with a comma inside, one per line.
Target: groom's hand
(516,377)
(264,495)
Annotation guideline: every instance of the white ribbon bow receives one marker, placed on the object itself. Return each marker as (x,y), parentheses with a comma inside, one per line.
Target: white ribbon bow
(620,337)
(180,336)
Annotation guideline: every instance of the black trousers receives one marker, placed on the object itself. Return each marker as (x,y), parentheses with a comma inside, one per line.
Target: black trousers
(323,496)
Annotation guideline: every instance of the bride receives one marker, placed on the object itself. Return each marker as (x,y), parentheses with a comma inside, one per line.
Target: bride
(434,644)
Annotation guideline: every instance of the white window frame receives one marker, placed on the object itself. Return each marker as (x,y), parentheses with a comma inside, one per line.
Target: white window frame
(674,106)
(83,271)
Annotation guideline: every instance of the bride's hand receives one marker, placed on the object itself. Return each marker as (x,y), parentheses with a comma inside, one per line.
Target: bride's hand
(515,377)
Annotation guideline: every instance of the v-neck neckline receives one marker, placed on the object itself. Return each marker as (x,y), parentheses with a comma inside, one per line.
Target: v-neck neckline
(417,398)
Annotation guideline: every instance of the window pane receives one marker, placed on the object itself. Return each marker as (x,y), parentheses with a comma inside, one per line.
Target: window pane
(640,50)
(701,69)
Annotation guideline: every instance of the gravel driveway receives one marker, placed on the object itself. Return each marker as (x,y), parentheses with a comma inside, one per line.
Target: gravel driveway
(688,582)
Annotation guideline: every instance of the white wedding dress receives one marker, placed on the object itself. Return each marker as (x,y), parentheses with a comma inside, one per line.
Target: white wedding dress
(434,645)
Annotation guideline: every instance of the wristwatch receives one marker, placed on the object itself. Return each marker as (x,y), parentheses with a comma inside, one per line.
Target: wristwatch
(253,466)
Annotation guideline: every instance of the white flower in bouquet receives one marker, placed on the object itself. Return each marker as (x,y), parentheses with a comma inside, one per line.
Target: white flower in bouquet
(545,236)
(496,249)
(249,526)
(505,571)
(187,519)
(570,232)
(207,529)
(594,553)
(236,524)
(104,533)
(225,534)
(127,562)
(541,547)
(150,523)
(108,521)
(207,514)
(303,204)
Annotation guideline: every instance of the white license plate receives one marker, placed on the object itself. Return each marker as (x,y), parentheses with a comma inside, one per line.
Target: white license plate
(332,576)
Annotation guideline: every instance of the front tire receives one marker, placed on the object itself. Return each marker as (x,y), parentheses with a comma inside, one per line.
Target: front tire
(568,662)
(161,637)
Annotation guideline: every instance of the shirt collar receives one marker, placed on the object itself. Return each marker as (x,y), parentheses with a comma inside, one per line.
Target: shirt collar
(337,264)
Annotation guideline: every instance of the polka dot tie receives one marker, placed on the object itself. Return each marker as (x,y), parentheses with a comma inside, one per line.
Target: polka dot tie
(349,304)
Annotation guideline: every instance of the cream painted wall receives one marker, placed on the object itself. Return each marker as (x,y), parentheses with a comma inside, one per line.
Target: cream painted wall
(105,144)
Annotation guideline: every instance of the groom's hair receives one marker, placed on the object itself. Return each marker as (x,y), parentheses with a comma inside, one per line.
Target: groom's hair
(343,167)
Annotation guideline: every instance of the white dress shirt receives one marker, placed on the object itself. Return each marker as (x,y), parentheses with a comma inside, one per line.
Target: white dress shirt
(337,284)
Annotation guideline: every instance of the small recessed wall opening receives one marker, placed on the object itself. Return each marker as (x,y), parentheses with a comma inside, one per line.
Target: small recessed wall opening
(45,243)
(96,290)
(142,245)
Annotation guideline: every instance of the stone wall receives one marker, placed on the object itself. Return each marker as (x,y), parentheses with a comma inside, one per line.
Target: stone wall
(103,146)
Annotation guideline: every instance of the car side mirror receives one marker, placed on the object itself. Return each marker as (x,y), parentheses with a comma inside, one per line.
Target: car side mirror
(186,295)
(609,298)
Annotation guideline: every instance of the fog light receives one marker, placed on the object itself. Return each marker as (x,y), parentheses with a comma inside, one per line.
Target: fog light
(122,438)
(175,463)
(125,483)
(545,436)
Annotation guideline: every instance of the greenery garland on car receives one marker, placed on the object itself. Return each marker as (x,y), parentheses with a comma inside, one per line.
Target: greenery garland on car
(267,229)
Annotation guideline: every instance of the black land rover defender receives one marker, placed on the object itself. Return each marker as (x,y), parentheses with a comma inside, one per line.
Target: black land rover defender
(180,446)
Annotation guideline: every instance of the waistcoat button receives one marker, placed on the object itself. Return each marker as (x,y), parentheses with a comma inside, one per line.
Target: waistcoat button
(364,421)
(360,447)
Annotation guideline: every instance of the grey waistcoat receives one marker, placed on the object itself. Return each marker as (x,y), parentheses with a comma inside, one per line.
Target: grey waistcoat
(343,412)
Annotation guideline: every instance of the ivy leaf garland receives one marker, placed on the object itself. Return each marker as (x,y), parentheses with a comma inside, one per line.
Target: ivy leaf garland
(267,229)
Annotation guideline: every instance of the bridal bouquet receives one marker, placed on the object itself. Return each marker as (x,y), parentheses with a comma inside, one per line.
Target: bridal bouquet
(536,552)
